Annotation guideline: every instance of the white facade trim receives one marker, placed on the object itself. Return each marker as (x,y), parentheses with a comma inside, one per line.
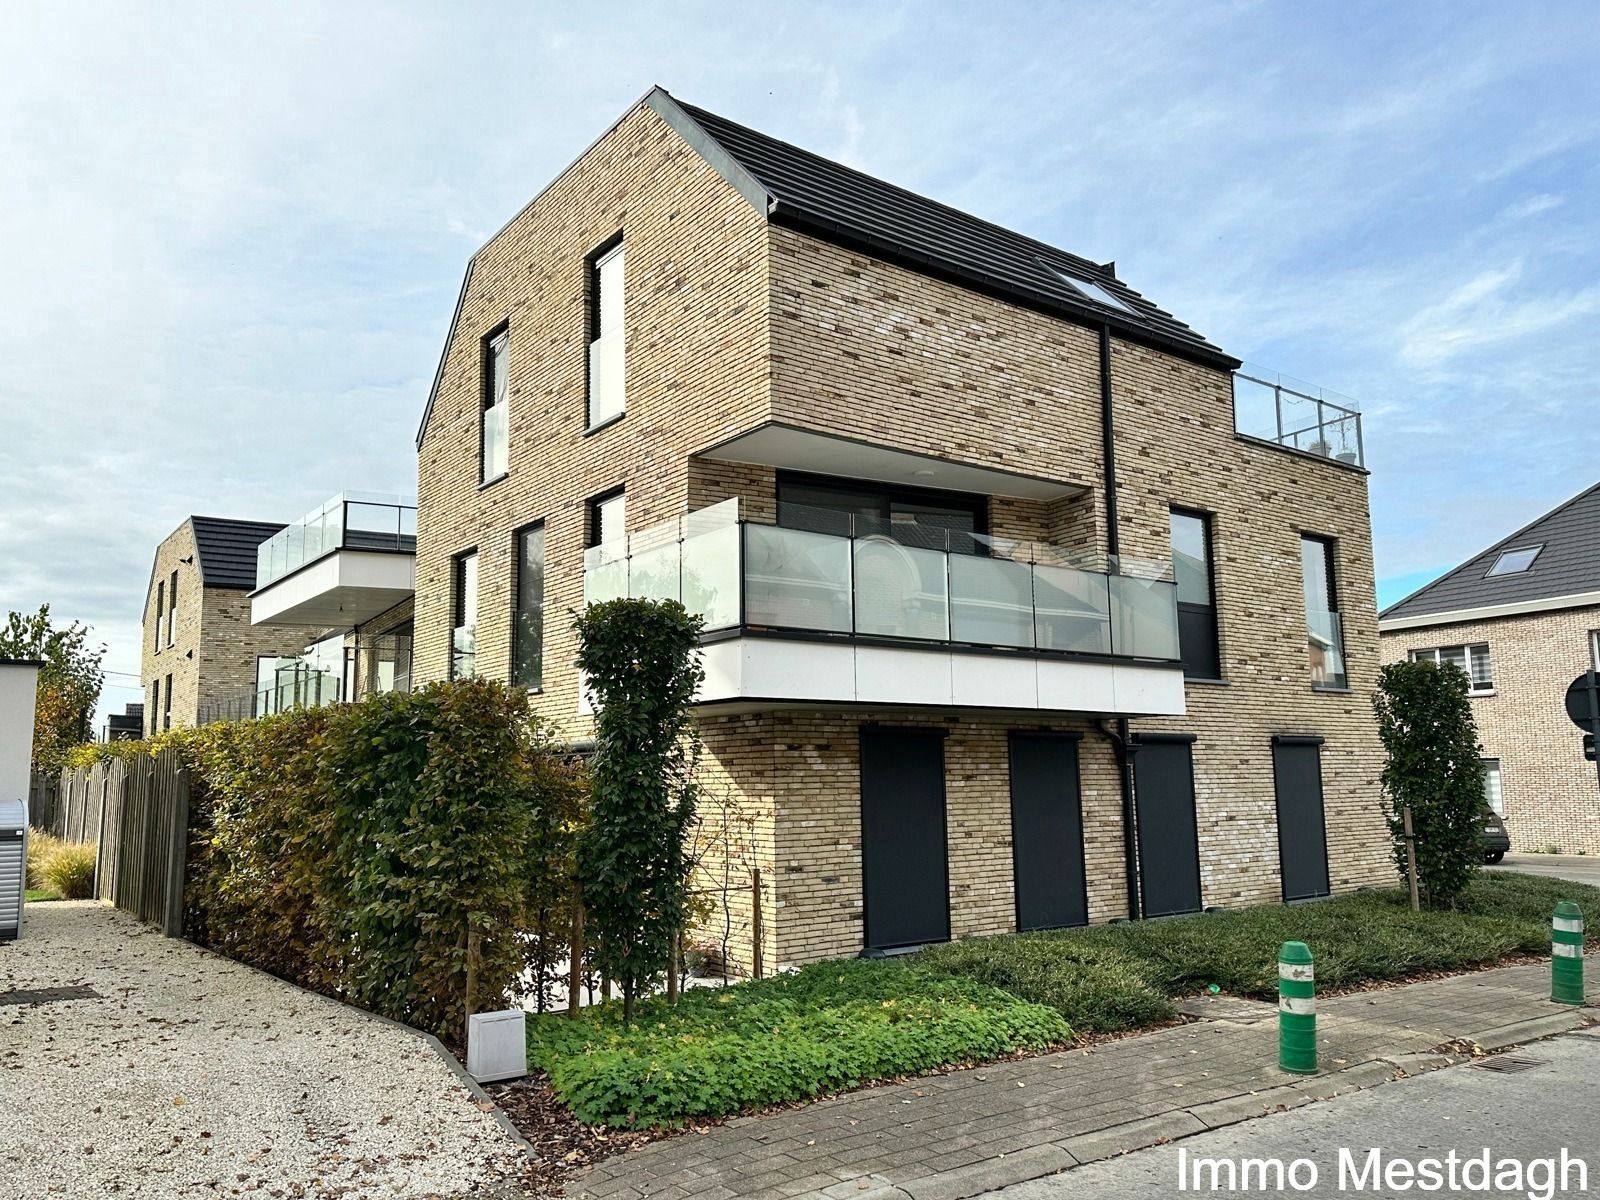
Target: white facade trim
(1489,612)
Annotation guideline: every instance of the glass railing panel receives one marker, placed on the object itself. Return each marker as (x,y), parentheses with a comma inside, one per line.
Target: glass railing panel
(711,574)
(372,526)
(1072,610)
(901,591)
(1325,646)
(1144,617)
(991,601)
(653,573)
(796,579)
(605,574)
(496,444)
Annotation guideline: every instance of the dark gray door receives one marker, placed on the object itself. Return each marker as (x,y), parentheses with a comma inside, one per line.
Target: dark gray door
(1302,834)
(1169,846)
(1047,831)
(904,866)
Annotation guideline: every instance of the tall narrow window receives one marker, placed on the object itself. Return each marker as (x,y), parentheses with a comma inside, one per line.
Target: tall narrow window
(155,704)
(1594,649)
(166,705)
(608,519)
(1324,630)
(607,392)
(495,449)
(527,651)
(172,607)
(464,636)
(1197,602)
(161,608)
(1491,786)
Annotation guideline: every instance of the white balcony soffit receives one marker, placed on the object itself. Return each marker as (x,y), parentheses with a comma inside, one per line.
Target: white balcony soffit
(771,672)
(793,449)
(346,587)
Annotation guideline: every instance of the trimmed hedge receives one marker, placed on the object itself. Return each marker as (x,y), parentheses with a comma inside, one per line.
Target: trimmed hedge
(826,1027)
(369,850)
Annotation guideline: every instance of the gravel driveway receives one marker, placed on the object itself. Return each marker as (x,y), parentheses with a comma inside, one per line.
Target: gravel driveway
(191,1075)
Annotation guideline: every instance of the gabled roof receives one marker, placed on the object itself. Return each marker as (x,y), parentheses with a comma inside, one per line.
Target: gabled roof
(828,200)
(1567,565)
(227,550)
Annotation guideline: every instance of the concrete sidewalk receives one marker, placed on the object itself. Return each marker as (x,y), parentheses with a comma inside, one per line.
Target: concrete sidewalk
(958,1135)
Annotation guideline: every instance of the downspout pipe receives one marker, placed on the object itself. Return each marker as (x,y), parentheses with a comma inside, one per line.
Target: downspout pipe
(1121,740)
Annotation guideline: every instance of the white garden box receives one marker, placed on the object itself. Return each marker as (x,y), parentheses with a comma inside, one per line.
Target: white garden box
(497,1046)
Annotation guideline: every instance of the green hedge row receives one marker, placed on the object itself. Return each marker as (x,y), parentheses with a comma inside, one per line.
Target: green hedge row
(370,850)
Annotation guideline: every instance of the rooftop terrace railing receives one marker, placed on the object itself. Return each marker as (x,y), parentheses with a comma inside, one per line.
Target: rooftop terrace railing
(1300,416)
(350,521)
(824,572)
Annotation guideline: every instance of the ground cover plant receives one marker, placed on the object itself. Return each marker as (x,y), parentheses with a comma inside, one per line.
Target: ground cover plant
(1116,977)
(825,1027)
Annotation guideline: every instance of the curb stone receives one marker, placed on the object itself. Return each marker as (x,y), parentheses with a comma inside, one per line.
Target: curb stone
(990,1175)
(1131,1135)
(1515,1034)
(1253,1104)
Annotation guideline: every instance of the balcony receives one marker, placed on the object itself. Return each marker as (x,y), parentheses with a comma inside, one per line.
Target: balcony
(837,607)
(329,672)
(1298,416)
(341,564)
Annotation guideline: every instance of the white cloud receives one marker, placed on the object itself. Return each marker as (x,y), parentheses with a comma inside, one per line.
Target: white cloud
(1483,312)
(1532,206)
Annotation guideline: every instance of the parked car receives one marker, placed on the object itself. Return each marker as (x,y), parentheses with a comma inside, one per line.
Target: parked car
(1496,841)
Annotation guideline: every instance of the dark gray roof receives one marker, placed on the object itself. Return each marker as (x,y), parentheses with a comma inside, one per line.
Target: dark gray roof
(1568,565)
(805,191)
(838,203)
(227,550)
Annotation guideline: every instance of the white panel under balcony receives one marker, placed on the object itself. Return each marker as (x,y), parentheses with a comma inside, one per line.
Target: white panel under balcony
(794,449)
(345,587)
(767,671)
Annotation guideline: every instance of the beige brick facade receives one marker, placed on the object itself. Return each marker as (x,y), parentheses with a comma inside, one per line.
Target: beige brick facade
(213,651)
(732,323)
(1550,793)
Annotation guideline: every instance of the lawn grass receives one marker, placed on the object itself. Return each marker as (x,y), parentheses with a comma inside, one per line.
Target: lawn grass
(33,896)
(823,1028)
(1116,977)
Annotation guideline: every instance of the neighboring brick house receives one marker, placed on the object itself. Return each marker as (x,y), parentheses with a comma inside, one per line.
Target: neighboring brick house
(869,439)
(1523,620)
(198,645)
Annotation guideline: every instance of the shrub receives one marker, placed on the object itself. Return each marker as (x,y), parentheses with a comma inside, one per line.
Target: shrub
(640,658)
(69,871)
(1425,721)
(41,845)
(828,1026)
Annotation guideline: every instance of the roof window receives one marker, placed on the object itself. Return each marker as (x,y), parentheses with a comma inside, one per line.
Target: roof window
(1093,291)
(1514,562)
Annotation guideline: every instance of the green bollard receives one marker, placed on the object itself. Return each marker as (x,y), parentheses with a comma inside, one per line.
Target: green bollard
(1566,954)
(1297,1010)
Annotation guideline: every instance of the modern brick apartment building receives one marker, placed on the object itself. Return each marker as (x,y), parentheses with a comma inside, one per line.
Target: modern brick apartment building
(198,645)
(1523,620)
(1009,625)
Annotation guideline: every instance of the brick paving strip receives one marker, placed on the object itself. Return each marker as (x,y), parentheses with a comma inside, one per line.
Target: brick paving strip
(947,1137)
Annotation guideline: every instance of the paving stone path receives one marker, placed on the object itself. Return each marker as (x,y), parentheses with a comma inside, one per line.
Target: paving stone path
(957,1135)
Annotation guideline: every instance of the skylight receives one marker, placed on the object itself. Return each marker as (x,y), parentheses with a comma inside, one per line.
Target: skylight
(1093,291)
(1514,562)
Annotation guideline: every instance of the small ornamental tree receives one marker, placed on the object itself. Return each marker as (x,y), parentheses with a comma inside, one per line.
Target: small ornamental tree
(640,664)
(69,680)
(1425,722)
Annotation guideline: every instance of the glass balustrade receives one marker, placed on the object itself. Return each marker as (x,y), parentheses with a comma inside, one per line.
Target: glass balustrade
(1325,646)
(350,521)
(863,577)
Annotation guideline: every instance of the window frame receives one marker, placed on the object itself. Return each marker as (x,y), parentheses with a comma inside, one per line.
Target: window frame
(1435,655)
(166,704)
(1330,571)
(172,607)
(458,605)
(1214,657)
(1492,766)
(594,330)
(1594,649)
(161,606)
(591,515)
(517,634)
(155,705)
(499,336)
(1494,571)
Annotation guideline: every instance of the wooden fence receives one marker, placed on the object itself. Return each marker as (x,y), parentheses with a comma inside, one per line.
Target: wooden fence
(136,810)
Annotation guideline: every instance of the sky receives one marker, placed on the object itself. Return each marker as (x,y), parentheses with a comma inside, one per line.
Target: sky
(231,235)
